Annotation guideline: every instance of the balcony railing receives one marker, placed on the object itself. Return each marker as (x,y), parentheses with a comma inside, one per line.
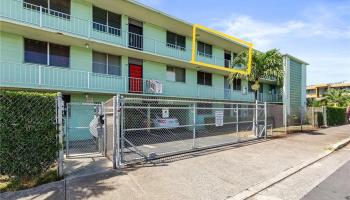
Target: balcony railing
(22,75)
(270,97)
(45,18)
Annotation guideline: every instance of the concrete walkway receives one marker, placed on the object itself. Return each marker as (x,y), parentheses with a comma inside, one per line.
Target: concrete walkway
(219,174)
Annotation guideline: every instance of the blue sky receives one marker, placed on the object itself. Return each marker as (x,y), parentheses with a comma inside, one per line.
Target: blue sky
(317,31)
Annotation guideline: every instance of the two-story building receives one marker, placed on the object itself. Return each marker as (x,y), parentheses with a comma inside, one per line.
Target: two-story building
(91,50)
(319,90)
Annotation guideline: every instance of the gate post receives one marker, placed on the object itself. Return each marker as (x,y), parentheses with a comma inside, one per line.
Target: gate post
(265,119)
(116,132)
(194,126)
(237,121)
(255,119)
(59,118)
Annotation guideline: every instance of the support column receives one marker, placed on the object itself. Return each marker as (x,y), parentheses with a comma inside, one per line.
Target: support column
(59,117)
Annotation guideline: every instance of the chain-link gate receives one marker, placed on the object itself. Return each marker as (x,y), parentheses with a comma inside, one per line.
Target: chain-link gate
(141,129)
(84,133)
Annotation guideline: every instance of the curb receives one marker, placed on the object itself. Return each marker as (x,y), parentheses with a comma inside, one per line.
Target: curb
(251,191)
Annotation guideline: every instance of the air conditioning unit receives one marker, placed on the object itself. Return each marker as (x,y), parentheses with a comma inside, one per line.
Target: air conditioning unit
(154,87)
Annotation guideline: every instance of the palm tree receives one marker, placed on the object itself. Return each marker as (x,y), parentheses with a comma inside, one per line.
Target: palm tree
(336,97)
(264,65)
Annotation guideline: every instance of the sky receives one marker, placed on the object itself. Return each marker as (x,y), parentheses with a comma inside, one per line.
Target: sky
(316,31)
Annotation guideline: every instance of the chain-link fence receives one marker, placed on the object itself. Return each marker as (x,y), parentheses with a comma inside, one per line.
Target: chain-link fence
(145,129)
(305,119)
(82,134)
(29,136)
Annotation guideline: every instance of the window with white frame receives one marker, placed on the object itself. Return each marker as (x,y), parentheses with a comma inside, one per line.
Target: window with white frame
(106,64)
(106,21)
(60,8)
(45,53)
(204,49)
(175,40)
(176,74)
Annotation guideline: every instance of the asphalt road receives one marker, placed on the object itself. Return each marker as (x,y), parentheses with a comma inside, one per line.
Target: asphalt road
(336,186)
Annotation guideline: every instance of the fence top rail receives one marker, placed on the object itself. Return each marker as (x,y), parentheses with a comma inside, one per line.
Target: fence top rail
(190,101)
(84,104)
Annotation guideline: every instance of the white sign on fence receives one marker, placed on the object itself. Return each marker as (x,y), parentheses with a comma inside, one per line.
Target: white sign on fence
(219,118)
(165,113)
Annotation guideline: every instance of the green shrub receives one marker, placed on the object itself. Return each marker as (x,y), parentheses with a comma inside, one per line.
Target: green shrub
(336,116)
(28,135)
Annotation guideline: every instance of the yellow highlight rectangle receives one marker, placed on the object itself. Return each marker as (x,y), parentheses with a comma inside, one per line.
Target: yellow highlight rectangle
(194,41)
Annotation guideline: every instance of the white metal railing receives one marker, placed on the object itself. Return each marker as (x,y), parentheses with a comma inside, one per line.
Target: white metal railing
(49,77)
(48,18)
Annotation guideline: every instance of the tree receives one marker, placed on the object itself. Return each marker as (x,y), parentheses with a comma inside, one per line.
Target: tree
(264,65)
(336,97)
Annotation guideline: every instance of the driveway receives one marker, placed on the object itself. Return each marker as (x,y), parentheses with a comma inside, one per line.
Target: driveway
(215,174)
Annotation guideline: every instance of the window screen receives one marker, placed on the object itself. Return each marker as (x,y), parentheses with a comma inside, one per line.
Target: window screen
(35,51)
(176,74)
(62,6)
(99,63)
(204,78)
(59,55)
(57,7)
(99,18)
(176,41)
(204,49)
(114,65)
(114,22)
(236,84)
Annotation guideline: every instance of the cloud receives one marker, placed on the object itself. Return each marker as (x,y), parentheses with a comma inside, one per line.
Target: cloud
(320,21)
(260,33)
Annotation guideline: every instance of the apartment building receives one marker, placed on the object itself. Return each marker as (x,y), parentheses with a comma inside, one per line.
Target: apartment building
(91,50)
(318,91)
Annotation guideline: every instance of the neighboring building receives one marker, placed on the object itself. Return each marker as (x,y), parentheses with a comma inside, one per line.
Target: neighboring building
(318,91)
(91,50)
(294,93)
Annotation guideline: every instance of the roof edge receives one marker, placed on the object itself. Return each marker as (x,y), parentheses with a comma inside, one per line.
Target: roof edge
(295,58)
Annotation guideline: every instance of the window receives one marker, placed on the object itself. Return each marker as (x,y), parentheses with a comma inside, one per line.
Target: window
(106,64)
(250,89)
(35,51)
(273,89)
(60,8)
(39,52)
(104,21)
(204,49)
(227,57)
(175,41)
(261,88)
(175,74)
(204,78)
(236,84)
(59,55)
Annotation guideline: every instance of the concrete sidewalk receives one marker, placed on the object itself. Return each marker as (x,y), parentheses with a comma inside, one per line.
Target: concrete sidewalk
(218,174)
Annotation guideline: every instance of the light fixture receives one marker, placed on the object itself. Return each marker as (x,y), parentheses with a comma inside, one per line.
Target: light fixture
(87,45)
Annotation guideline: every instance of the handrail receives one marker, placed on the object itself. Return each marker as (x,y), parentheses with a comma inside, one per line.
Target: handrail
(43,17)
(43,76)
(38,15)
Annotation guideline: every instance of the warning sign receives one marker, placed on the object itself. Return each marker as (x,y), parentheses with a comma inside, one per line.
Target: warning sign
(219,118)
(165,112)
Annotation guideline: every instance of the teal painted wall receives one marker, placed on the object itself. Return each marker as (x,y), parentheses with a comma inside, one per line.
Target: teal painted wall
(81,58)
(11,48)
(82,9)
(219,53)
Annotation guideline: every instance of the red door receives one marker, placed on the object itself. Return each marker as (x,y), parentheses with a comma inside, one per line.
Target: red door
(135,78)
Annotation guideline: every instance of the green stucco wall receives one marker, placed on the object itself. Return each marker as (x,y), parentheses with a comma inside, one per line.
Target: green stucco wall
(11,48)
